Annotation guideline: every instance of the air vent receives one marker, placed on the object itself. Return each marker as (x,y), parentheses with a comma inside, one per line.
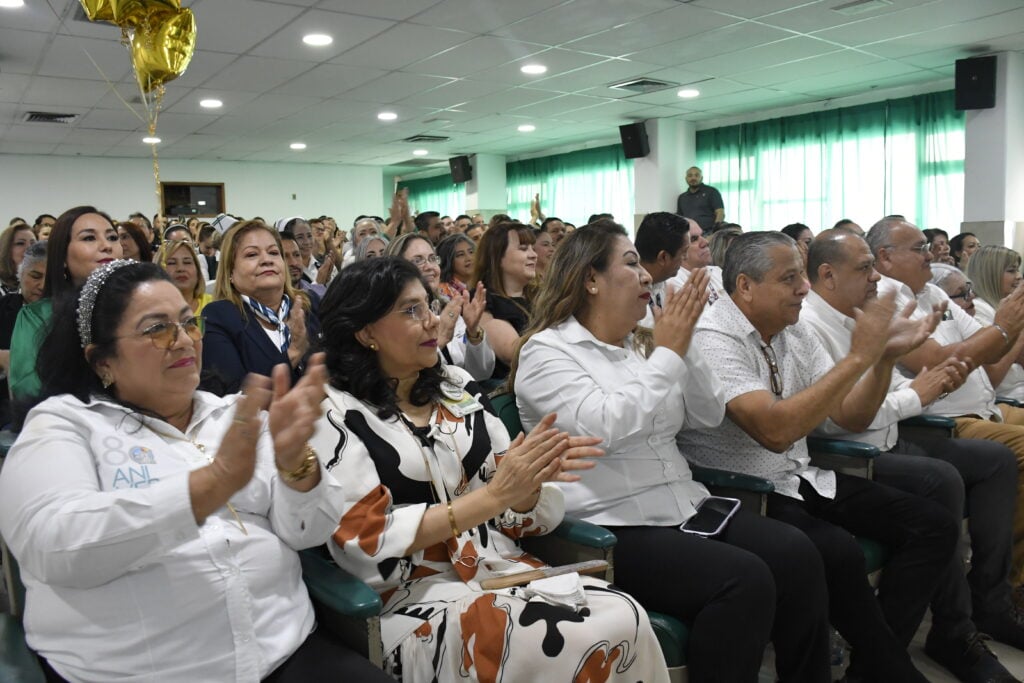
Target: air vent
(860,6)
(426,138)
(48,117)
(642,85)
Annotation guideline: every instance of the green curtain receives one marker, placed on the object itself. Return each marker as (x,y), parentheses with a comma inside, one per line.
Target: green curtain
(436,193)
(573,186)
(901,156)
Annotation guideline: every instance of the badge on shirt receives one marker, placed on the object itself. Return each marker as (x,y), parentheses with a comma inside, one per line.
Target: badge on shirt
(463,405)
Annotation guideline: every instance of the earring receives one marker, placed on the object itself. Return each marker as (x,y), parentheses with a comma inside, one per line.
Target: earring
(106,380)
(593,290)
(373,347)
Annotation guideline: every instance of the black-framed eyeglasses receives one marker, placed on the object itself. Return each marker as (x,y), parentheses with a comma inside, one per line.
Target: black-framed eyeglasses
(966,293)
(165,335)
(773,369)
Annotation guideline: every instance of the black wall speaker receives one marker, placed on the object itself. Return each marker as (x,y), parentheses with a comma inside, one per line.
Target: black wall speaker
(976,83)
(461,169)
(634,140)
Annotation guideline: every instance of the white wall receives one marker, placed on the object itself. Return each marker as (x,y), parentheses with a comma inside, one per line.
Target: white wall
(31,185)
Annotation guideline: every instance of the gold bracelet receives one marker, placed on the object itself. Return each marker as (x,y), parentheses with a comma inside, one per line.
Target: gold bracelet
(477,338)
(309,466)
(451,521)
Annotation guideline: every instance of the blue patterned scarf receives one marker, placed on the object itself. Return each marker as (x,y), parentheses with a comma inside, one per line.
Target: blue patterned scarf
(278,319)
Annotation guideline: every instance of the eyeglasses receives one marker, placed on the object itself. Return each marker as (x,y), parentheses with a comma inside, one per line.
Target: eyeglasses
(165,335)
(418,261)
(967,293)
(419,312)
(773,369)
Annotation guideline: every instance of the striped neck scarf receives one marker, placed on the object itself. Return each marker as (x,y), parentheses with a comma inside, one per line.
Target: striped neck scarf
(278,319)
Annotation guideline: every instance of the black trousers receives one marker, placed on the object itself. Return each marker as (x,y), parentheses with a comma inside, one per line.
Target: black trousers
(319,658)
(760,580)
(921,537)
(965,476)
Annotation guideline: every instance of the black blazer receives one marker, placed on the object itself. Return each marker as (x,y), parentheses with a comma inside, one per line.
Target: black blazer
(233,347)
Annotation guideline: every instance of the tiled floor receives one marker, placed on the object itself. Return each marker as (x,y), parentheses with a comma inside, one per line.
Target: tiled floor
(1012,659)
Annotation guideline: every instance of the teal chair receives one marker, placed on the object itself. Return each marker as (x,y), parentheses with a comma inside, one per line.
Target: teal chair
(673,635)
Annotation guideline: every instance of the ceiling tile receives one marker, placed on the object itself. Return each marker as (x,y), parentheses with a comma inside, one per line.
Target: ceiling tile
(329,80)
(257,74)
(919,19)
(845,60)
(558,61)
(750,10)
(402,45)
(218,23)
(711,44)
(603,73)
(867,77)
(581,18)
(27,147)
(20,51)
(396,86)
(820,15)
(233,101)
(38,132)
(481,17)
(13,86)
(509,99)
(454,93)
(204,65)
(654,29)
(110,119)
(348,30)
(63,91)
(33,16)
(382,9)
(555,106)
(473,56)
(73,57)
(782,52)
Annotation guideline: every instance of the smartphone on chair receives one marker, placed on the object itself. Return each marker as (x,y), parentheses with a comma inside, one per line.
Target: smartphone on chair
(712,516)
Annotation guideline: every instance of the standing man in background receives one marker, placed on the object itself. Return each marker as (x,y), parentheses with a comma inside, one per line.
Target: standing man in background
(700,202)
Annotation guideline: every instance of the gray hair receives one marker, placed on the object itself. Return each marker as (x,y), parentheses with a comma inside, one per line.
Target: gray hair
(34,255)
(878,237)
(355,227)
(748,255)
(942,272)
(364,246)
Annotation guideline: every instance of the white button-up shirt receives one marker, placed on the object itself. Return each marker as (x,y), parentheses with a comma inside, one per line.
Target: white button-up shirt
(715,286)
(1012,385)
(636,406)
(976,396)
(733,348)
(123,585)
(834,330)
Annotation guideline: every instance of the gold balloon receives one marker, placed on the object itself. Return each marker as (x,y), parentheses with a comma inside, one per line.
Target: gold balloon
(162,53)
(128,13)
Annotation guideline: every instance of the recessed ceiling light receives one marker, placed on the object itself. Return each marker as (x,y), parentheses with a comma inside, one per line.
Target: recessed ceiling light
(527,128)
(12,4)
(687,93)
(387,116)
(151,140)
(211,104)
(533,69)
(298,145)
(317,39)
(420,152)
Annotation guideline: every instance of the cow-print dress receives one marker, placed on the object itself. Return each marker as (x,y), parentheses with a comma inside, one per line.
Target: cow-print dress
(437,623)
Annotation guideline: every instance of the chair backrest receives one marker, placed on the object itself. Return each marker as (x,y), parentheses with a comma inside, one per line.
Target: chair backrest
(504,405)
